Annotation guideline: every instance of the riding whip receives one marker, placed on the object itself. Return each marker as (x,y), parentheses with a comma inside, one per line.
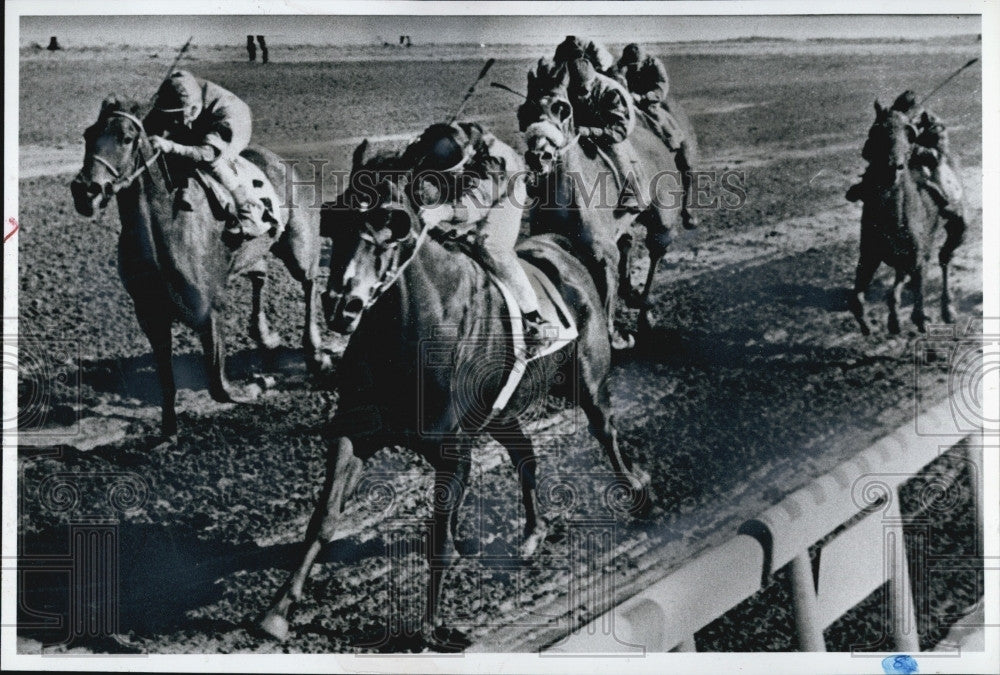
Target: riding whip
(472,89)
(499,85)
(946,81)
(177,60)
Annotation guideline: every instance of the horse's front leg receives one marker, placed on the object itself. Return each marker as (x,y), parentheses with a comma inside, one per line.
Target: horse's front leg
(156,324)
(260,329)
(955,229)
(522,456)
(918,316)
(893,298)
(868,263)
(343,472)
(450,483)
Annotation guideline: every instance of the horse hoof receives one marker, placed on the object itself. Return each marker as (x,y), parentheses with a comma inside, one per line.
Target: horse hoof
(948,314)
(533,540)
(893,326)
(447,640)
(163,443)
(234,394)
(268,342)
(320,362)
(275,626)
(642,503)
(621,342)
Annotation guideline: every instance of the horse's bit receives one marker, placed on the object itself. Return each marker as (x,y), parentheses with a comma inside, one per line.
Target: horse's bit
(122,182)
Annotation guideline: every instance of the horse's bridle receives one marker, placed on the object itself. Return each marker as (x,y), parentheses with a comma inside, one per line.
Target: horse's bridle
(142,165)
(396,267)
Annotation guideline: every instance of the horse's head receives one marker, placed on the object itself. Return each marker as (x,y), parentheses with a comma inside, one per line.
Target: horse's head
(546,116)
(113,145)
(375,222)
(889,145)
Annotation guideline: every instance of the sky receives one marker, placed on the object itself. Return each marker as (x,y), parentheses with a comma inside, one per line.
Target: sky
(326,29)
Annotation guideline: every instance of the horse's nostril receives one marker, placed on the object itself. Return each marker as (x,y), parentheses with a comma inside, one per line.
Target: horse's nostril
(354,306)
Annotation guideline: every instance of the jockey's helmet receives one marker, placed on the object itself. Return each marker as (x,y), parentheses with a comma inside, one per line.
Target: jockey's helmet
(905,102)
(180,93)
(442,147)
(581,76)
(632,53)
(569,50)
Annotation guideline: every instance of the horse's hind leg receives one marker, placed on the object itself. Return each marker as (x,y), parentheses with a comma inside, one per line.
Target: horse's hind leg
(157,326)
(868,263)
(260,329)
(596,404)
(522,456)
(657,240)
(214,345)
(955,229)
(918,316)
(450,482)
(298,249)
(342,477)
(892,298)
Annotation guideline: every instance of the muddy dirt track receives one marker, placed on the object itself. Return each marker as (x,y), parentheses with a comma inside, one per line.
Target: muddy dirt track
(754,381)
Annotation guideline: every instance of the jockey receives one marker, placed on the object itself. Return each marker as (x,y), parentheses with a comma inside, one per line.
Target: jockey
(573,48)
(930,153)
(603,113)
(211,126)
(471,179)
(647,82)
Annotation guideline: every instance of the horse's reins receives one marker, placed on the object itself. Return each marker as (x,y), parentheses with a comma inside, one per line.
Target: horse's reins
(122,182)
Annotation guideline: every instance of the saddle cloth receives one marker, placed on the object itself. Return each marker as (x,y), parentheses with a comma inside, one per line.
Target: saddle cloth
(258,187)
(553,308)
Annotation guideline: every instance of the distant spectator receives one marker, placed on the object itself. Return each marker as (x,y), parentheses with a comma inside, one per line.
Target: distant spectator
(251,49)
(263,48)
(53,44)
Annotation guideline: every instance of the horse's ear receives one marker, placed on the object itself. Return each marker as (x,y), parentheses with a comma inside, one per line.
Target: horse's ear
(359,153)
(911,133)
(879,109)
(135,109)
(110,103)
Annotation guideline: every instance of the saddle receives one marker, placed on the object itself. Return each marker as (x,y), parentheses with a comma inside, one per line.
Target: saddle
(257,185)
(551,306)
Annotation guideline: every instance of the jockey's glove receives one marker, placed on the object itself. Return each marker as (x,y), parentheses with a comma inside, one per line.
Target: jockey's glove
(590,132)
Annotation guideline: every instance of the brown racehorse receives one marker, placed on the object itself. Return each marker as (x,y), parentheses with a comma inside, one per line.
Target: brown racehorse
(569,174)
(899,223)
(400,292)
(171,256)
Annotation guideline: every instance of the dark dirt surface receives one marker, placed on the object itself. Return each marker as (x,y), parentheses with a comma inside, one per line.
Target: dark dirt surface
(754,382)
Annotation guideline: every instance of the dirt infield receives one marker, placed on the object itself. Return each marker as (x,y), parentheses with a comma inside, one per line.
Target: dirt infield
(754,381)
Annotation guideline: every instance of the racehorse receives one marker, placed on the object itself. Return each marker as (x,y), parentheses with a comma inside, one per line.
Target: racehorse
(899,222)
(172,258)
(568,173)
(421,313)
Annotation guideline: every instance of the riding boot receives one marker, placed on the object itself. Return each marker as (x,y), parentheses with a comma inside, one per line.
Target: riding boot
(538,333)
(623,155)
(249,211)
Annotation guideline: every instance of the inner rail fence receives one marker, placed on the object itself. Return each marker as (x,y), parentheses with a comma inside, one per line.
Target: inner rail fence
(852,513)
